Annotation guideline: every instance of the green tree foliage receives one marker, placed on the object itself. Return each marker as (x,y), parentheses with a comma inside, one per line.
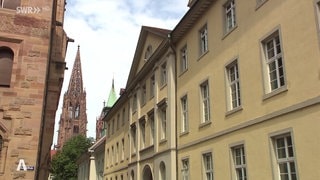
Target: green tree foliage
(63,165)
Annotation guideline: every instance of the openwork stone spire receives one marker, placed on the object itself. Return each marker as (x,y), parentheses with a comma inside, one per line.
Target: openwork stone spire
(75,84)
(73,120)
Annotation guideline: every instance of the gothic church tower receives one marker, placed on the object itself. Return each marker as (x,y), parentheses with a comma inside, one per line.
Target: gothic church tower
(73,119)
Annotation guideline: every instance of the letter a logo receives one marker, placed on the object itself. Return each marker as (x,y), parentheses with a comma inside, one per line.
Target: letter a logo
(23,164)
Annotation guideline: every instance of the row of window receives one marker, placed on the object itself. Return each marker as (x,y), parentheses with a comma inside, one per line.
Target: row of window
(115,124)
(143,89)
(147,173)
(162,114)
(115,154)
(275,77)
(283,153)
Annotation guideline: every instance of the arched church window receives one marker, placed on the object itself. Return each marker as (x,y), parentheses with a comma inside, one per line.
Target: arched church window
(77,112)
(6,63)
(75,129)
(70,112)
(162,171)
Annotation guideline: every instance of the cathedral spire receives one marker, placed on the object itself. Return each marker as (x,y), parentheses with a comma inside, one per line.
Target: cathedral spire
(76,84)
(73,119)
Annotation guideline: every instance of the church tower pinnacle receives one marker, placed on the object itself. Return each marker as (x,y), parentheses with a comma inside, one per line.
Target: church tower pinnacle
(73,119)
(100,126)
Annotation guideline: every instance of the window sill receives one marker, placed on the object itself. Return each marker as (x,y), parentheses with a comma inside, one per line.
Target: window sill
(163,85)
(146,149)
(275,92)
(182,72)
(143,104)
(184,133)
(204,124)
(203,54)
(229,32)
(234,110)
(133,154)
(163,141)
(259,4)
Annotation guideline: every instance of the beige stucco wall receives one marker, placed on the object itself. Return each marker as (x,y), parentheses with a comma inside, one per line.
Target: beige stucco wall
(296,22)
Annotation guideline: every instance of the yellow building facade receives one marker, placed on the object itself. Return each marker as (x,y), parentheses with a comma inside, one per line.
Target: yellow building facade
(248,98)
(241,98)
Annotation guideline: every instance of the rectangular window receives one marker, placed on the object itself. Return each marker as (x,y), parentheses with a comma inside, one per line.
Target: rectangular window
(152,130)
(118,121)
(234,85)
(205,101)
(134,103)
(184,59)
(143,94)
(10,4)
(163,74)
(185,169)
(163,117)
(184,115)
(122,149)
(112,155)
(133,138)
(113,122)
(203,40)
(123,116)
(239,160)
(117,153)
(284,153)
(109,129)
(143,132)
(207,166)
(152,86)
(230,15)
(274,62)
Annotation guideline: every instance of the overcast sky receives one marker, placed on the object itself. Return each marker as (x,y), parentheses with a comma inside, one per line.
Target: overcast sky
(107,32)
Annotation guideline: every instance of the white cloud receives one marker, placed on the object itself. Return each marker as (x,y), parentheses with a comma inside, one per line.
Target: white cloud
(107,32)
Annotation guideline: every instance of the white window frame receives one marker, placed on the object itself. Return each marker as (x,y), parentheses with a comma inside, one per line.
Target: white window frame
(207,161)
(163,122)
(233,83)
(185,169)
(143,94)
(239,162)
(203,38)
(230,15)
(152,128)
(205,102)
(134,138)
(184,59)
(117,153)
(134,103)
(273,62)
(143,133)
(163,72)
(122,149)
(152,86)
(288,160)
(184,114)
